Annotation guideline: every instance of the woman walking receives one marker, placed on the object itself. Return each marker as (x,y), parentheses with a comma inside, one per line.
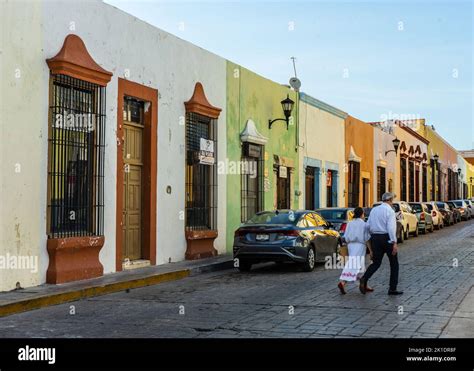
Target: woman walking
(356,236)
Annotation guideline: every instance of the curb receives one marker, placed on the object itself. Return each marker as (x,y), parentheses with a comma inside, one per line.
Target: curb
(38,302)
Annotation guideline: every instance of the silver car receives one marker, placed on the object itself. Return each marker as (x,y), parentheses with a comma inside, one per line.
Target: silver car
(425,220)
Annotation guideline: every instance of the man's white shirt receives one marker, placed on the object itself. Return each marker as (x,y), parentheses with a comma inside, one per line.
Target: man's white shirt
(382,220)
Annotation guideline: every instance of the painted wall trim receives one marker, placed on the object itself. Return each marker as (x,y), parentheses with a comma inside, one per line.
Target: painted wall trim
(321,105)
(331,166)
(308,161)
(133,89)
(74,60)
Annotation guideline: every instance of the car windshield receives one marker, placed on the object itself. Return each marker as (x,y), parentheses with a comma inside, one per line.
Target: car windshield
(430,207)
(273,217)
(458,203)
(416,208)
(330,214)
(396,207)
(440,205)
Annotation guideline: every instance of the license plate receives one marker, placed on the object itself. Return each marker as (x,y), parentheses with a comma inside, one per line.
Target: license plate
(262,237)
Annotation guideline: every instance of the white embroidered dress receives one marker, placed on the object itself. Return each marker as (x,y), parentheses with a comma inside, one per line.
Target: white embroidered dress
(356,236)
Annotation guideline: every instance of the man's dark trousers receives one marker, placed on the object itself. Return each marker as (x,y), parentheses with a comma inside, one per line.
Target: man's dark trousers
(381,246)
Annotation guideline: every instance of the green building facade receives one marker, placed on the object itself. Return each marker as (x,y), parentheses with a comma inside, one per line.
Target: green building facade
(262,164)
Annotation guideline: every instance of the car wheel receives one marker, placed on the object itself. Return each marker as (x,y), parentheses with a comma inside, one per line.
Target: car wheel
(400,238)
(417,231)
(424,230)
(310,262)
(245,265)
(407,233)
(432,228)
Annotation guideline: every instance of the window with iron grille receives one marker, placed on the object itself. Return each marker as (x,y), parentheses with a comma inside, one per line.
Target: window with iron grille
(251,180)
(403,179)
(380,182)
(76,158)
(201,173)
(424,185)
(433,180)
(411,180)
(354,184)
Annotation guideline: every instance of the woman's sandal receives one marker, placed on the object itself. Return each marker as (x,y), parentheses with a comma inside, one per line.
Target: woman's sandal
(369,289)
(340,285)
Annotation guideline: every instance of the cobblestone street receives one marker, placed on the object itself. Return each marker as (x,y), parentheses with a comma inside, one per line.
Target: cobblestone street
(278,301)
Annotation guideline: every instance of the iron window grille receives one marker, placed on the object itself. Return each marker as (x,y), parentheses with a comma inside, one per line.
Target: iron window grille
(433,182)
(411,180)
(403,180)
(381,180)
(76,158)
(201,179)
(251,180)
(354,184)
(424,185)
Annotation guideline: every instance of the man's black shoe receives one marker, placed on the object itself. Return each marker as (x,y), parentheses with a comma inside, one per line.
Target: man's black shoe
(395,292)
(363,286)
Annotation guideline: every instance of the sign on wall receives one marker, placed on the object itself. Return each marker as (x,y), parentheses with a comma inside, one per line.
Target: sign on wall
(283,172)
(206,152)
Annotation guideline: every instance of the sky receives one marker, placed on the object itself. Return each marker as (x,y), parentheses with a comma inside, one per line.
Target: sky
(371,59)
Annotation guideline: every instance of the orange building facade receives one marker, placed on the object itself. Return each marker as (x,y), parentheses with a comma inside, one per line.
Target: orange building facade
(359,154)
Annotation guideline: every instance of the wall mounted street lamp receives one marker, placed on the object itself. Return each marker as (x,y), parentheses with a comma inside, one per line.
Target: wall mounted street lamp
(396,144)
(471,179)
(287,105)
(436,158)
(459,172)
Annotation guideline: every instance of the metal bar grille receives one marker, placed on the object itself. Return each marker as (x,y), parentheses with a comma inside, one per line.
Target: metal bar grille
(403,179)
(201,179)
(76,162)
(354,184)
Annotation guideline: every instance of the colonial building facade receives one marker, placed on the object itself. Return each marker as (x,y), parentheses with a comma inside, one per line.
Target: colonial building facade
(323,158)
(123,134)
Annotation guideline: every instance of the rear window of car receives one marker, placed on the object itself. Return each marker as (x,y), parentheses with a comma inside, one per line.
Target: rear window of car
(396,207)
(458,203)
(272,217)
(416,208)
(333,214)
(440,205)
(430,207)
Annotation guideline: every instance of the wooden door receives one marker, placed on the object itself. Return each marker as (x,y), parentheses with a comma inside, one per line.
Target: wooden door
(132,191)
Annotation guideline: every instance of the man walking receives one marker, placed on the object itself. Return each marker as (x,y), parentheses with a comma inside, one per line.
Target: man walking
(382,228)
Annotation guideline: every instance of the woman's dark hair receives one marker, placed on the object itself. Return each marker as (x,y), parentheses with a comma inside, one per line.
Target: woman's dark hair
(358,211)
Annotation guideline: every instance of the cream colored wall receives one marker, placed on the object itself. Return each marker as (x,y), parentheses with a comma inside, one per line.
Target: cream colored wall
(22,142)
(383,143)
(321,136)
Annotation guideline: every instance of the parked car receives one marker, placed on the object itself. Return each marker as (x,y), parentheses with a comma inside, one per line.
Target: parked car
(456,212)
(448,216)
(463,208)
(406,216)
(425,220)
(300,236)
(338,217)
(436,214)
(400,235)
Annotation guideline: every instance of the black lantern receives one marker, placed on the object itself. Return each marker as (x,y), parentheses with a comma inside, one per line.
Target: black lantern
(287,106)
(459,171)
(436,157)
(396,144)
(471,179)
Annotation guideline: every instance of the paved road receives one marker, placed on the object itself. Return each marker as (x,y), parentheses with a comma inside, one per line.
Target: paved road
(278,301)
